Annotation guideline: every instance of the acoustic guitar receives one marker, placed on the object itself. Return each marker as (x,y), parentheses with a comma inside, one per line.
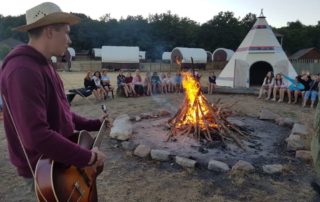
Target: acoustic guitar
(55,181)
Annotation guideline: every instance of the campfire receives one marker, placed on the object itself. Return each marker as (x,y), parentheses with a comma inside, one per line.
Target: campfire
(203,121)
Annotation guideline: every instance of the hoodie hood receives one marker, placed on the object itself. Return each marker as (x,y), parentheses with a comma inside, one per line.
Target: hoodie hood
(25,51)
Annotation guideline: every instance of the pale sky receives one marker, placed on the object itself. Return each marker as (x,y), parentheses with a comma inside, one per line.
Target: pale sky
(278,12)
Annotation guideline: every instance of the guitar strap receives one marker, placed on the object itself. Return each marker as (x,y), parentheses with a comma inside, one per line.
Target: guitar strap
(21,144)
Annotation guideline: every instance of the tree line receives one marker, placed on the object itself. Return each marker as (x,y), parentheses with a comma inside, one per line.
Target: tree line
(162,32)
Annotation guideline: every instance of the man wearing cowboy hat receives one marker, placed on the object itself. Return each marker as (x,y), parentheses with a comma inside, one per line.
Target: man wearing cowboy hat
(36,111)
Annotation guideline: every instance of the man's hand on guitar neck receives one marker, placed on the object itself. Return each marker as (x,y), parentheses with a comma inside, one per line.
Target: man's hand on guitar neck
(97,158)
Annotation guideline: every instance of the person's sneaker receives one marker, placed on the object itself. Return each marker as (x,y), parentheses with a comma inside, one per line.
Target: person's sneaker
(280,100)
(274,99)
(267,98)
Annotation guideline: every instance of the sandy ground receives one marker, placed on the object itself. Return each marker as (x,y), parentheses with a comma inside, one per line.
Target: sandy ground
(128,178)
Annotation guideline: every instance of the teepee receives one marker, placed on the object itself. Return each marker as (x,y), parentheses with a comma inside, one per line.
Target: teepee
(258,53)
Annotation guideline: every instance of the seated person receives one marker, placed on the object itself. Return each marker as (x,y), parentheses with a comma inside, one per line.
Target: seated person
(266,85)
(164,82)
(279,85)
(138,84)
(105,82)
(178,82)
(97,81)
(121,82)
(147,84)
(296,87)
(129,82)
(170,83)
(156,83)
(212,83)
(313,91)
(89,84)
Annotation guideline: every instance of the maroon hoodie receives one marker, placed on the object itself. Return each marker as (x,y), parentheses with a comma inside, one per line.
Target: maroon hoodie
(41,113)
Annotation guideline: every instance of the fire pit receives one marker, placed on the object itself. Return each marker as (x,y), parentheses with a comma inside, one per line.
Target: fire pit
(203,121)
(202,132)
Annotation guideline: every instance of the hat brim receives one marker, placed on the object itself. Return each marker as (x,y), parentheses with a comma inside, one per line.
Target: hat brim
(54,18)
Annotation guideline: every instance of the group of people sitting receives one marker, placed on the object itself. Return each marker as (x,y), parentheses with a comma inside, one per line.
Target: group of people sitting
(150,84)
(135,85)
(99,84)
(303,85)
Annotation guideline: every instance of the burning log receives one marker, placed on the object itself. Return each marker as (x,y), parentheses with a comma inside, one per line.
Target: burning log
(203,121)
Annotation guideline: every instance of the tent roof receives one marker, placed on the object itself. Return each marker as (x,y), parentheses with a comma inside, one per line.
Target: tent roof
(142,55)
(198,55)
(120,54)
(166,56)
(300,53)
(229,52)
(96,52)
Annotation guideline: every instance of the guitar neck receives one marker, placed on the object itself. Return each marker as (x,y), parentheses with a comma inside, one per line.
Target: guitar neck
(103,131)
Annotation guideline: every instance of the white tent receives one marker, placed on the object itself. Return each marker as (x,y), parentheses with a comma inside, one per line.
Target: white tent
(72,52)
(198,55)
(142,55)
(187,56)
(120,54)
(96,52)
(258,53)
(222,54)
(166,56)
(120,57)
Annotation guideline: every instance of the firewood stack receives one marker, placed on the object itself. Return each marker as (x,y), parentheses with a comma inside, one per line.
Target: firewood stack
(203,121)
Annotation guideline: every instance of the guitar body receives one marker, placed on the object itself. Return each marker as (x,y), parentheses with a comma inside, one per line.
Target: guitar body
(57,182)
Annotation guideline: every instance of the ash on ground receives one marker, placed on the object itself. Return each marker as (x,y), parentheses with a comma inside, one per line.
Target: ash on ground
(266,142)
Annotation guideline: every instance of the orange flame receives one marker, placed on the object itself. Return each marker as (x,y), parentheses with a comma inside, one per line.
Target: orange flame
(198,109)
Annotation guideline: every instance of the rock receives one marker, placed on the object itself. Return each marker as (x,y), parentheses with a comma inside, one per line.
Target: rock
(218,166)
(137,118)
(164,112)
(268,115)
(122,128)
(185,162)
(160,155)
(272,169)
(304,155)
(285,122)
(294,142)
(128,145)
(299,129)
(243,166)
(146,115)
(142,151)
(236,122)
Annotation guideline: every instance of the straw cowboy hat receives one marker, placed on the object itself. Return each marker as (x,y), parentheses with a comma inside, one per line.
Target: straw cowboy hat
(46,14)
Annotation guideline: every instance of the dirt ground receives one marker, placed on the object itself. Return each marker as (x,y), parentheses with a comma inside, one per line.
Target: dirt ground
(128,178)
